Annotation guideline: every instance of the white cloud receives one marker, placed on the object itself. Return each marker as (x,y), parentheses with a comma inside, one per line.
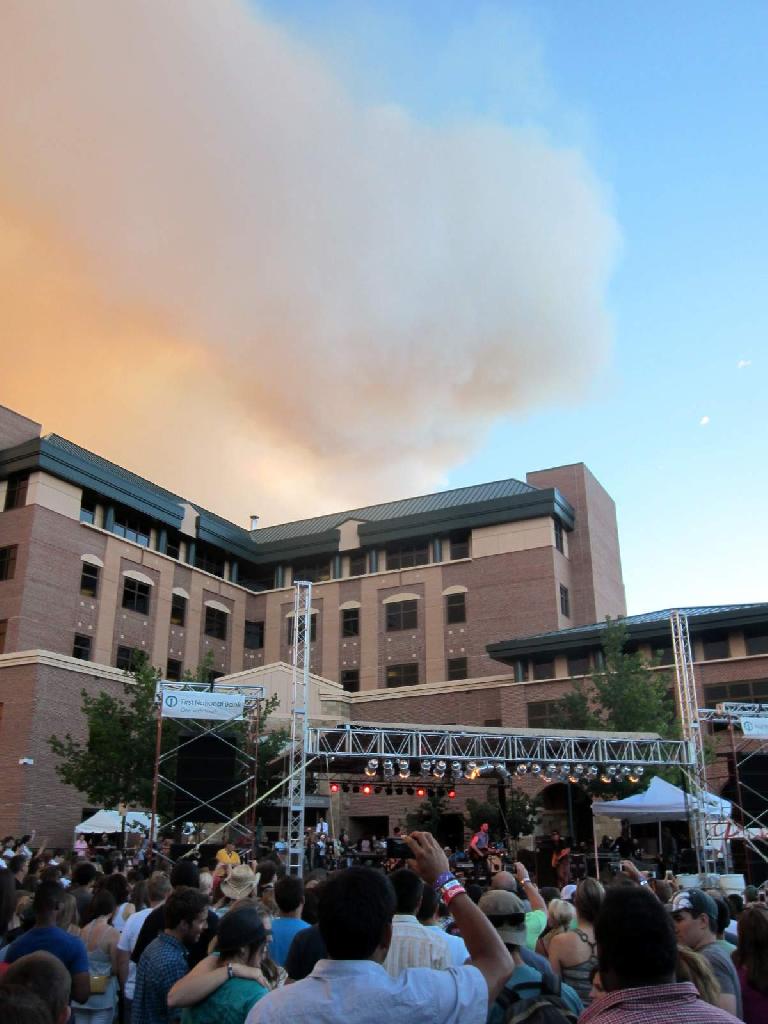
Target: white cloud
(743,363)
(704,421)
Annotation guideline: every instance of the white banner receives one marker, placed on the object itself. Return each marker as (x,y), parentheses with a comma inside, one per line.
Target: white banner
(757,727)
(223,707)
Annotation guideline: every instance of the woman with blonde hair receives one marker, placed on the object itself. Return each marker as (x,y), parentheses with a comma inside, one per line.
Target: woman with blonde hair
(693,967)
(67,916)
(560,915)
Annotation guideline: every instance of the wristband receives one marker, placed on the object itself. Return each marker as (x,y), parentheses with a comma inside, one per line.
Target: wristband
(643,881)
(439,882)
(526,880)
(451,892)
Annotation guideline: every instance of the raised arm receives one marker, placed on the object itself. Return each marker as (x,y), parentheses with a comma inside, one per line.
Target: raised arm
(488,952)
(532,893)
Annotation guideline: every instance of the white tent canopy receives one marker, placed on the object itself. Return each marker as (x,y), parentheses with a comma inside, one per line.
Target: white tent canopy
(111,821)
(660,802)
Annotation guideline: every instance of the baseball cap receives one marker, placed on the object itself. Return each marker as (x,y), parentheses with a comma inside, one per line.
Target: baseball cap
(696,903)
(506,913)
(566,893)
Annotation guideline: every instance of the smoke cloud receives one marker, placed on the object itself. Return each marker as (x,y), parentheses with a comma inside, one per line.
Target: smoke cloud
(219,269)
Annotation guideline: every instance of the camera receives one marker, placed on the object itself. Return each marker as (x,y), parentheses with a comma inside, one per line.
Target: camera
(397,849)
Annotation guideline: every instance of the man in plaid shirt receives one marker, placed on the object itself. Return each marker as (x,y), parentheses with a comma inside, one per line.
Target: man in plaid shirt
(164,960)
(637,956)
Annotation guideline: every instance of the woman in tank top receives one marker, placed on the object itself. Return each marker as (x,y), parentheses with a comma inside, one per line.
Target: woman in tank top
(573,954)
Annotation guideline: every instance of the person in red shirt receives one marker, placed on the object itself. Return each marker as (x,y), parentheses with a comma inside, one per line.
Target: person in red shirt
(637,957)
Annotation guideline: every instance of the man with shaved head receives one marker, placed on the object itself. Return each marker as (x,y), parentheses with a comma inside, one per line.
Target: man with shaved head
(536,917)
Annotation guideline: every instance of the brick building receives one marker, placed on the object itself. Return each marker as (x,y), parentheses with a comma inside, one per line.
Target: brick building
(419,605)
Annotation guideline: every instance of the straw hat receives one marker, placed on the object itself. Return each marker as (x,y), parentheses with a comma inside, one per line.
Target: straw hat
(241,882)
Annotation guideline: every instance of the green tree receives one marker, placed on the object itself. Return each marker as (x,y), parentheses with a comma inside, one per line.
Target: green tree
(518,817)
(428,815)
(629,694)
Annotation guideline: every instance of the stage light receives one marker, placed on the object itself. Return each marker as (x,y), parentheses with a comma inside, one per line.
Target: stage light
(612,770)
(426,767)
(367,789)
(334,787)
(535,768)
(388,790)
(421,792)
(355,789)
(573,779)
(451,794)
(633,778)
(372,767)
(431,792)
(403,769)
(471,771)
(545,778)
(502,771)
(638,770)
(605,779)
(398,790)
(578,769)
(345,787)
(565,769)
(626,770)
(521,769)
(389,768)
(593,771)
(456,768)
(438,770)
(377,789)
(552,769)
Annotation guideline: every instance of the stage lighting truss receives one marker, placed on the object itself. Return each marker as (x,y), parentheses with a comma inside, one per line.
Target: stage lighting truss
(372,767)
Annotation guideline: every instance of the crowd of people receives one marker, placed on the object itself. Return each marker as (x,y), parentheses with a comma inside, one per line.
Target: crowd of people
(247,943)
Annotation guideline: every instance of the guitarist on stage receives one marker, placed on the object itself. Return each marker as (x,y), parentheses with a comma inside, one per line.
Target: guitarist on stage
(479,850)
(561,859)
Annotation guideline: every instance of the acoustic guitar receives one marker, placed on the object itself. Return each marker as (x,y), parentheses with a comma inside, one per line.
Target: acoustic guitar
(557,857)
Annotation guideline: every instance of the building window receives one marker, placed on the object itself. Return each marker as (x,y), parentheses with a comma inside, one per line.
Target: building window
(254,636)
(358,563)
(403,675)
(750,691)
(455,608)
(173,545)
(543,668)
(216,623)
(521,670)
(209,559)
(663,653)
(492,723)
(131,527)
(559,536)
(173,670)
(578,664)
(350,679)
(16,492)
(350,622)
(599,659)
(127,658)
(544,714)
(565,601)
(457,668)
(82,647)
(89,580)
(88,508)
(8,562)
(256,577)
(312,629)
(312,571)
(460,544)
(715,645)
(178,610)
(756,639)
(405,556)
(136,596)
(401,615)
(3,633)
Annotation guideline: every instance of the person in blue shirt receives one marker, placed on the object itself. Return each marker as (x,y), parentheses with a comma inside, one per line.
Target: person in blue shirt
(45,935)
(165,959)
(289,897)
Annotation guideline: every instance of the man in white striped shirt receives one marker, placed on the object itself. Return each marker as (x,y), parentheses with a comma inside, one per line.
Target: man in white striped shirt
(412,945)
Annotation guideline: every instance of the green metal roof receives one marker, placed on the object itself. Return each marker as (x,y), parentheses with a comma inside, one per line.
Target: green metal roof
(425,503)
(428,514)
(646,626)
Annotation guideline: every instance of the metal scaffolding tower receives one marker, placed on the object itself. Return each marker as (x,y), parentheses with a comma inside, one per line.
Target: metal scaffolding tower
(302,620)
(688,706)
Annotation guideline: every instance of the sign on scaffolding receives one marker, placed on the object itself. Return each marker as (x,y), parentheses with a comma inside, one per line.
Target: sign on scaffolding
(755,728)
(221,707)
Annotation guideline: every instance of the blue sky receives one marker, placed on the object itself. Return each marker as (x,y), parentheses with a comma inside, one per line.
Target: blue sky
(668,104)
